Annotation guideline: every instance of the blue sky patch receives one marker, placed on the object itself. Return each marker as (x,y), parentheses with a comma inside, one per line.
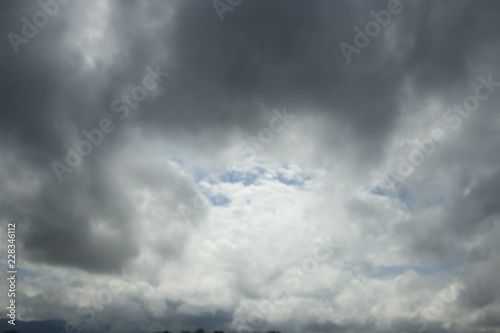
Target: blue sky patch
(380,191)
(297,180)
(216,199)
(247,178)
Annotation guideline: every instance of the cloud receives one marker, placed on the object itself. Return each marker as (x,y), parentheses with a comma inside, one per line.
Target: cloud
(331,172)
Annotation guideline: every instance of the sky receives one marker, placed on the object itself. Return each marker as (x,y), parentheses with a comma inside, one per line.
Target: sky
(248,165)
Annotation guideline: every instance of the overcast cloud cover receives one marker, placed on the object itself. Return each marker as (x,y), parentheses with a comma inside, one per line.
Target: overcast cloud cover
(258,165)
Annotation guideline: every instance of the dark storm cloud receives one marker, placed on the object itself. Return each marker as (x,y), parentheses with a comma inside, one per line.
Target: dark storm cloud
(58,214)
(266,54)
(55,218)
(49,97)
(262,56)
(30,83)
(275,53)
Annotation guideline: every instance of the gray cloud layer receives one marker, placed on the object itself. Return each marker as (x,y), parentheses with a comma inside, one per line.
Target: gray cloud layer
(224,77)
